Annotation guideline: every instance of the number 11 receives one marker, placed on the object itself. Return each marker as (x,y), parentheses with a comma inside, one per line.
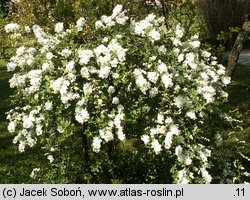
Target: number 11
(240,192)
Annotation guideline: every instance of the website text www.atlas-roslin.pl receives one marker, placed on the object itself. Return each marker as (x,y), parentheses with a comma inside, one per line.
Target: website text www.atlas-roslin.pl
(128,192)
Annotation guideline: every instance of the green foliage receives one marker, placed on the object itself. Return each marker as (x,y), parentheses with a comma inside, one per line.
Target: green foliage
(223,42)
(5,43)
(47,12)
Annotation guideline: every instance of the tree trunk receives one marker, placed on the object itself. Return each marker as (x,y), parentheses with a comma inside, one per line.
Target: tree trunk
(234,55)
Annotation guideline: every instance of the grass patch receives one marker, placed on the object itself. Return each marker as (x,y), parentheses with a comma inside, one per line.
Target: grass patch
(4,91)
(239,98)
(14,166)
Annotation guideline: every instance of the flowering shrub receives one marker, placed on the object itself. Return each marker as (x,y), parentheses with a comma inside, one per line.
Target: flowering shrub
(134,93)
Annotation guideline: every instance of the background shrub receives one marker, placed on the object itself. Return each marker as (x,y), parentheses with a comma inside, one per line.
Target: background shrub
(221,15)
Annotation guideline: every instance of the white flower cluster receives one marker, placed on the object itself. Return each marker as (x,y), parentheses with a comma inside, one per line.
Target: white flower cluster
(47,40)
(118,17)
(150,27)
(59,27)
(114,126)
(164,129)
(12,27)
(82,115)
(32,124)
(109,57)
(80,23)
(24,57)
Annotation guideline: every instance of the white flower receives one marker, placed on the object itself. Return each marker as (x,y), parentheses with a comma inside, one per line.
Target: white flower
(28,121)
(150,17)
(50,158)
(191,115)
(167,81)
(56,84)
(182,177)
(180,101)
(107,135)
(168,141)
(84,56)
(47,66)
(174,130)
(117,10)
(118,119)
(34,173)
(101,49)
(12,126)
(80,23)
(111,90)
(178,151)
(190,58)
(195,44)
(156,146)
(177,42)
(181,57)
(114,62)
(188,160)
(207,177)
(168,120)
(121,19)
(108,21)
(155,35)
(66,53)
(82,116)
(153,77)
(179,32)
(140,27)
(87,89)
(153,92)
(48,105)
(206,54)
(27,29)
(162,67)
(20,50)
(145,139)
(59,27)
(70,66)
(49,55)
(162,49)
(160,119)
(11,66)
(96,145)
(85,72)
(104,60)
(142,83)
(115,100)
(39,130)
(226,80)
(98,24)
(104,72)
(12,27)
(21,146)
(121,135)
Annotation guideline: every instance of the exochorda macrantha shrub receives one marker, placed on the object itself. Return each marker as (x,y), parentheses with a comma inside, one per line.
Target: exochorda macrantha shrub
(135,93)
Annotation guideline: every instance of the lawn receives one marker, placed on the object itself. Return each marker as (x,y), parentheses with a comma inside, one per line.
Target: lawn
(239,98)
(16,167)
